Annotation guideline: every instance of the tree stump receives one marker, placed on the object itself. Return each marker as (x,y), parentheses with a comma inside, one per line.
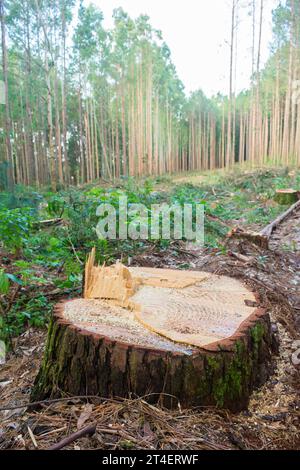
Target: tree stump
(167,335)
(286,197)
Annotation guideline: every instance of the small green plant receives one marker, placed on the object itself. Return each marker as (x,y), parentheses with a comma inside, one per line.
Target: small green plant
(73,280)
(56,206)
(262,260)
(6,279)
(4,283)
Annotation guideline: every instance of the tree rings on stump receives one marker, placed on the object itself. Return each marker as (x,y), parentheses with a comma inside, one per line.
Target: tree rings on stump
(170,335)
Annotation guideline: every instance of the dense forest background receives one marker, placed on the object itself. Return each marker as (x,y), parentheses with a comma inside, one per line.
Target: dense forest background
(82,102)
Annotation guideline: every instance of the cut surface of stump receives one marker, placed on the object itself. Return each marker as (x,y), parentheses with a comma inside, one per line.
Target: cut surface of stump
(192,335)
(206,312)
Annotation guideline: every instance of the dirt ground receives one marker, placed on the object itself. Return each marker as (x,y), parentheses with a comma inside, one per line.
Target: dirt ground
(272,420)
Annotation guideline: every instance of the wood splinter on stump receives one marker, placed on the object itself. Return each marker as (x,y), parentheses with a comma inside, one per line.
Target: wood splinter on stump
(172,335)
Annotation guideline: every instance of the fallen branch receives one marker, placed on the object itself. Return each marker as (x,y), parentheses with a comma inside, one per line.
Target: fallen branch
(87,431)
(185,252)
(262,238)
(240,257)
(74,250)
(48,222)
(268,230)
(32,437)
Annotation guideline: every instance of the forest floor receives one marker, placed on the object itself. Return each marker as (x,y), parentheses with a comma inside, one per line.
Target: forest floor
(272,420)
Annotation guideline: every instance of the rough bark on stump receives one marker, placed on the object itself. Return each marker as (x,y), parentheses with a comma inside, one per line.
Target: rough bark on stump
(79,362)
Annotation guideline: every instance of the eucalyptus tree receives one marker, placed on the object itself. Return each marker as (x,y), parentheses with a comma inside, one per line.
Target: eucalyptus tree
(9,158)
(89,41)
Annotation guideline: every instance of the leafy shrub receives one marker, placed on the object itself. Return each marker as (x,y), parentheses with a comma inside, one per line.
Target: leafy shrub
(33,312)
(97,191)
(15,227)
(56,206)
(22,196)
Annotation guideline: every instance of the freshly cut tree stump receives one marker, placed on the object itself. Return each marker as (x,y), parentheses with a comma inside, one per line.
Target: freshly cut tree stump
(287,197)
(171,335)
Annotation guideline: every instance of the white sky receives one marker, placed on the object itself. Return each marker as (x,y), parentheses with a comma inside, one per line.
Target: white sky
(196,32)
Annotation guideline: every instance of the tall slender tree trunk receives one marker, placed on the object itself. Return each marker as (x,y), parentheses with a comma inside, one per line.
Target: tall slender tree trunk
(9,155)
(229,122)
(258,123)
(124,144)
(50,126)
(63,95)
